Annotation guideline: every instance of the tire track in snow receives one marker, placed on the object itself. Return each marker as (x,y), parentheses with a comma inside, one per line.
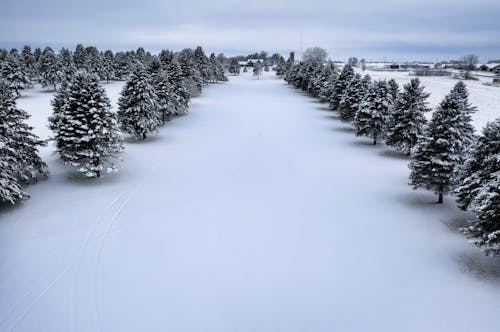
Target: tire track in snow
(99,254)
(51,284)
(80,258)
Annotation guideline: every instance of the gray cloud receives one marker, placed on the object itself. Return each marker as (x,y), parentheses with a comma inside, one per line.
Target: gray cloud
(374,29)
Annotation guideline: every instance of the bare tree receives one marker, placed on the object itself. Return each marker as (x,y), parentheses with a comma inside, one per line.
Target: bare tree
(363,64)
(315,54)
(468,63)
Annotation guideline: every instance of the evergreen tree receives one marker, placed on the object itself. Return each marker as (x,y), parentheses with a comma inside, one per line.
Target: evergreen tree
(12,72)
(234,67)
(176,80)
(352,98)
(49,69)
(280,66)
(408,118)
(340,85)
(466,111)
(191,74)
(257,69)
(20,145)
(165,96)
(85,129)
(108,69)
(10,189)
(482,162)
(66,66)
(138,112)
(373,114)
(216,69)
(28,63)
(80,56)
(203,64)
(485,230)
(439,150)
(394,88)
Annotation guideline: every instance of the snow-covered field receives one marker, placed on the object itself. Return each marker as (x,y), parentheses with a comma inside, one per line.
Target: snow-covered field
(485,98)
(257,212)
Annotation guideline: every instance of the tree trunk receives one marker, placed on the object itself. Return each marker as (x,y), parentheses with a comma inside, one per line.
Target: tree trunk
(375,139)
(144,136)
(440,195)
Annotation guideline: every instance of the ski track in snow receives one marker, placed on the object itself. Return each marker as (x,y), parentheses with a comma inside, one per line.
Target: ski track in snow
(256,212)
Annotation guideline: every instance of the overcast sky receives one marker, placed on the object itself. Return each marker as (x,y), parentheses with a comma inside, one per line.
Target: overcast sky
(390,29)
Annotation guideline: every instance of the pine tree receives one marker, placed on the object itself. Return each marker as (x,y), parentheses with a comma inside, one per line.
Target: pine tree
(181,95)
(138,111)
(203,64)
(439,150)
(234,67)
(216,69)
(408,118)
(189,69)
(257,69)
(394,89)
(20,145)
(10,189)
(352,98)
(340,85)
(483,160)
(12,72)
(80,56)
(66,66)
(165,97)
(373,114)
(28,63)
(485,230)
(108,69)
(280,67)
(85,129)
(466,111)
(49,71)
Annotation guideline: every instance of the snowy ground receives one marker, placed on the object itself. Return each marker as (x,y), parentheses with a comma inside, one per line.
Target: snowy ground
(485,98)
(257,212)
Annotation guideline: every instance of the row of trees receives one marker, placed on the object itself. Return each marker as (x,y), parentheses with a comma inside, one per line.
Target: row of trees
(22,69)
(447,156)
(87,133)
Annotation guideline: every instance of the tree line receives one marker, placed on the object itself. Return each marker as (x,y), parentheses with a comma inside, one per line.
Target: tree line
(447,157)
(87,134)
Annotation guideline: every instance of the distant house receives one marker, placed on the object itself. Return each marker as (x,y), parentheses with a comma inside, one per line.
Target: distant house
(393,66)
(493,67)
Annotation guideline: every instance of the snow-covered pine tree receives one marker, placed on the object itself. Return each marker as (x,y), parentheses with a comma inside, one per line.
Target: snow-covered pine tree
(108,69)
(234,67)
(165,96)
(138,112)
(192,76)
(80,56)
(327,86)
(85,129)
(122,65)
(340,85)
(12,72)
(466,111)
(408,120)
(485,230)
(257,69)
(20,145)
(49,69)
(373,114)
(482,161)
(28,62)
(66,66)
(203,64)
(352,98)
(181,95)
(439,150)
(280,67)
(394,88)
(10,189)
(216,69)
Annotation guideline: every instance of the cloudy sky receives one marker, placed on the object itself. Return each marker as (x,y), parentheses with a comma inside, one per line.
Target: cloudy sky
(383,29)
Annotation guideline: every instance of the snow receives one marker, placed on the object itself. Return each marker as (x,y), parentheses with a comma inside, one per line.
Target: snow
(486,98)
(259,211)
